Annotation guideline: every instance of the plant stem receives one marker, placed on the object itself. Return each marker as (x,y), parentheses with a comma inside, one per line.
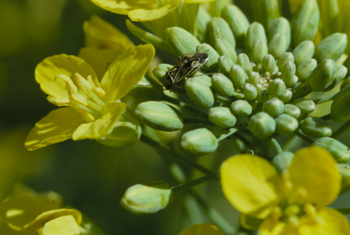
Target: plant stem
(188,185)
(276,145)
(303,137)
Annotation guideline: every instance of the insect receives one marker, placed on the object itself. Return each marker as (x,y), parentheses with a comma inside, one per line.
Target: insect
(187,66)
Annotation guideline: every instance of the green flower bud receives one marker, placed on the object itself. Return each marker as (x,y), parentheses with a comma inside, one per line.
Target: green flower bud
(222,117)
(199,92)
(332,47)
(305,106)
(243,61)
(268,63)
(282,161)
(322,77)
(304,51)
(222,84)
(225,64)
(255,32)
(286,124)
(304,22)
(280,25)
(238,22)
(274,107)
(340,72)
(288,74)
(276,87)
(344,170)
(250,91)
(283,59)
(199,141)
(265,12)
(339,151)
(147,198)
(254,78)
(286,95)
(263,96)
(259,50)
(222,38)
(316,127)
(241,108)
(159,116)
(305,68)
(345,83)
(238,76)
(340,111)
(262,125)
(278,45)
(182,41)
(292,110)
(202,25)
(212,63)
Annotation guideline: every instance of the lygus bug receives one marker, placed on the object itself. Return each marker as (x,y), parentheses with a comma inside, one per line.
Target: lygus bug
(187,66)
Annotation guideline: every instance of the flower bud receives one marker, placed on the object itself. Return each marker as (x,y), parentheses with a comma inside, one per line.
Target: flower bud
(147,198)
(243,61)
(340,111)
(292,110)
(286,124)
(283,59)
(199,92)
(304,51)
(280,25)
(225,64)
(199,141)
(250,91)
(331,47)
(340,72)
(238,22)
(286,95)
(322,77)
(282,161)
(259,50)
(238,76)
(255,32)
(316,127)
(305,106)
(159,116)
(344,170)
(212,63)
(222,38)
(253,78)
(241,108)
(177,36)
(202,24)
(222,117)
(262,125)
(304,22)
(268,63)
(305,68)
(288,72)
(278,45)
(273,107)
(276,87)
(339,151)
(345,83)
(222,84)
(262,96)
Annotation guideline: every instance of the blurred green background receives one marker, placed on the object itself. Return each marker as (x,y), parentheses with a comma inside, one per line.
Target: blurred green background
(89,176)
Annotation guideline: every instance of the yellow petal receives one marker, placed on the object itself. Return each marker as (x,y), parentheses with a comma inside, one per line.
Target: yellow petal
(250,184)
(56,127)
(99,59)
(119,7)
(314,170)
(47,70)
(328,222)
(152,14)
(103,35)
(198,1)
(64,225)
(199,229)
(275,227)
(103,125)
(126,70)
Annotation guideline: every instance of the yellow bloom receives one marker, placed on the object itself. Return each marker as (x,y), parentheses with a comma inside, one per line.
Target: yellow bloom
(142,10)
(293,203)
(199,229)
(93,108)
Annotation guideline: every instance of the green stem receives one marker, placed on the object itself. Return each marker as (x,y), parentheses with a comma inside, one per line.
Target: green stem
(303,137)
(276,145)
(341,130)
(176,156)
(189,185)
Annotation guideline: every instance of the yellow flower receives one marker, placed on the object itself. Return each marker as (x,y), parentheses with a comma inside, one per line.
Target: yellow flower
(142,10)
(199,229)
(93,108)
(293,203)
